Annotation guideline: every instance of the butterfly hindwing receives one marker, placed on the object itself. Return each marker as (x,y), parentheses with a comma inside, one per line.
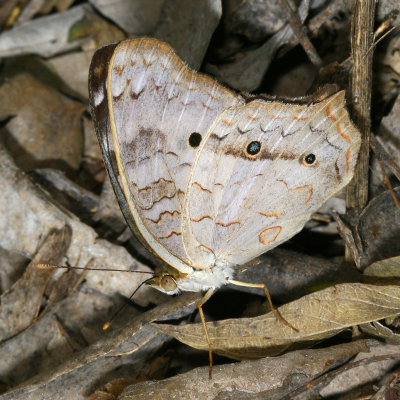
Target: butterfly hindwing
(264,168)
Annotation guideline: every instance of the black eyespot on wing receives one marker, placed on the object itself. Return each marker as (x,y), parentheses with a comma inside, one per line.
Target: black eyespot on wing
(253,148)
(309,159)
(195,139)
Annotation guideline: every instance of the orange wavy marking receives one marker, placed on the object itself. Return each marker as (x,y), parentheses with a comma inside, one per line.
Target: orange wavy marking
(201,218)
(226,122)
(144,190)
(228,224)
(170,234)
(297,118)
(329,114)
(207,248)
(201,187)
(252,117)
(309,187)
(342,133)
(266,240)
(348,153)
(161,216)
(161,180)
(275,214)
(273,116)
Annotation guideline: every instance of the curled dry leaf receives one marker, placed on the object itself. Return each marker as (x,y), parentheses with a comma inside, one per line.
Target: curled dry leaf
(271,377)
(317,316)
(383,333)
(20,304)
(379,227)
(375,234)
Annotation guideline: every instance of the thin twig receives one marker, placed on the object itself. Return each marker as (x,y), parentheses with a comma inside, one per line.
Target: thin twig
(361,81)
(300,32)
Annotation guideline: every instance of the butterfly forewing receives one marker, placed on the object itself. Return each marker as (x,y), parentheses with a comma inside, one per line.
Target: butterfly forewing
(159,113)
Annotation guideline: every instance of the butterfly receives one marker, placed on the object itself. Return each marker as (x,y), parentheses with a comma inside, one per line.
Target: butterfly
(208,179)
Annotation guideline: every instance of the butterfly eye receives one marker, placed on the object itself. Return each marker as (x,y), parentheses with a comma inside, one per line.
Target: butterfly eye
(253,148)
(195,139)
(168,283)
(309,160)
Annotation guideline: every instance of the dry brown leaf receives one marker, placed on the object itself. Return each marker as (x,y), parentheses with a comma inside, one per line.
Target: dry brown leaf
(271,377)
(246,73)
(254,19)
(379,227)
(317,316)
(128,347)
(137,17)
(20,304)
(390,267)
(45,36)
(45,128)
(72,69)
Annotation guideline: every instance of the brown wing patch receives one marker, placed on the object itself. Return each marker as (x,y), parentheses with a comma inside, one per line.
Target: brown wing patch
(156,192)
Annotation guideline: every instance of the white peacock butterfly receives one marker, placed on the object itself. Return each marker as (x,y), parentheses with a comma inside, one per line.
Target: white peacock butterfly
(208,179)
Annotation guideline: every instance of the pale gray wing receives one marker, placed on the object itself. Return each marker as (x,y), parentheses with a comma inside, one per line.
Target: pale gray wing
(264,169)
(159,112)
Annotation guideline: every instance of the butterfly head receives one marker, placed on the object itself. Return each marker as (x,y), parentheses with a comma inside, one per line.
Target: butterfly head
(166,280)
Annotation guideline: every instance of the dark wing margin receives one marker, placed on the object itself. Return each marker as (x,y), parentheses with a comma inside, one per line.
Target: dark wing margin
(99,111)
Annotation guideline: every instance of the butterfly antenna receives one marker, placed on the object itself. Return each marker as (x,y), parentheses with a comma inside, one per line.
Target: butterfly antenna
(50,266)
(107,324)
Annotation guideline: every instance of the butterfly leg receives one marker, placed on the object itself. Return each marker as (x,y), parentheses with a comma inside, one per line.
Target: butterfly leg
(203,321)
(274,310)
